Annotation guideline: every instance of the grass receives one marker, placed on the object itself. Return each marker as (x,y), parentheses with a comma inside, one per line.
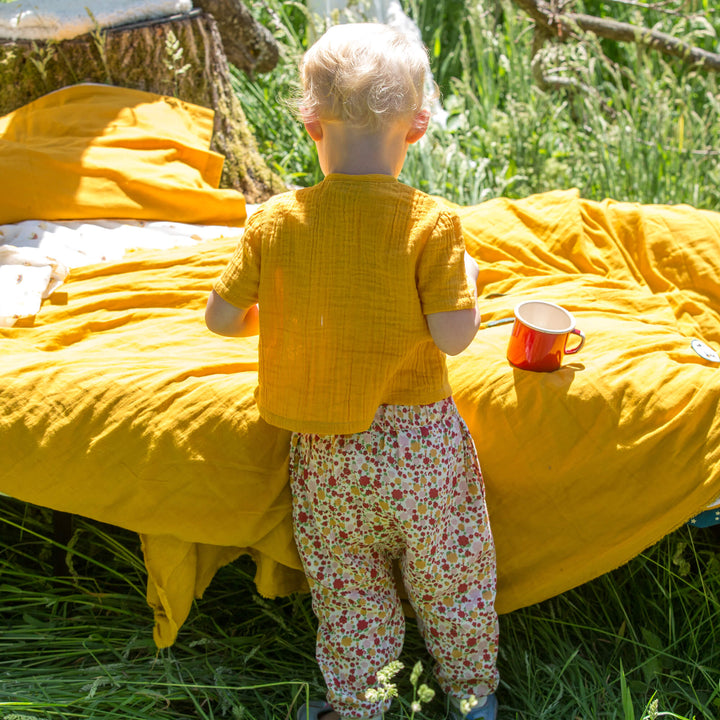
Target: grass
(638,643)
(81,646)
(634,126)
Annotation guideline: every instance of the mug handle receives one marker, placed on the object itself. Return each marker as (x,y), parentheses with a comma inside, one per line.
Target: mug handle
(580,333)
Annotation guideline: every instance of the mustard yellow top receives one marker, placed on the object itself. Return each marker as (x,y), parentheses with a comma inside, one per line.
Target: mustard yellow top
(344,273)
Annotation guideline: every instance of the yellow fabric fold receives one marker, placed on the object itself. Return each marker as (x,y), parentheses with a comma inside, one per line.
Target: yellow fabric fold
(119,405)
(97,151)
(180,571)
(588,466)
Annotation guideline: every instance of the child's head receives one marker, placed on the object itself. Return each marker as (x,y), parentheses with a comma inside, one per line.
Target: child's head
(367,75)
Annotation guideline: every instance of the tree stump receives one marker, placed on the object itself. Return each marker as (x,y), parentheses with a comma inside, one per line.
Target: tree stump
(249,45)
(181,56)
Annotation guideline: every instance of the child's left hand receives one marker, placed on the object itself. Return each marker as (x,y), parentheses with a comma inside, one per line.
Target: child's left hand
(472,270)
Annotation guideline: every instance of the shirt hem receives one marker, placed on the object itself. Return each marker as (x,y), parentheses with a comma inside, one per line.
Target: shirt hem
(351,427)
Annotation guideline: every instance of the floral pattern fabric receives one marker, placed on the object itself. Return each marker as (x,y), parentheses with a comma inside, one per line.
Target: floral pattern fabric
(409,489)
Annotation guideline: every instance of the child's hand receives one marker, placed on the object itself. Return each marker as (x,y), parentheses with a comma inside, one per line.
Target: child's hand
(472,270)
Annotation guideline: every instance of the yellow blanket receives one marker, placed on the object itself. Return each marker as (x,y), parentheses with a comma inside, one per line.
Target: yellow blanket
(97,151)
(590,465)
(119,405)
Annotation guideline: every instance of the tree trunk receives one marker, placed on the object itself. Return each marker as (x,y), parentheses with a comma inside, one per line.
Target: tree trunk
(249,46)
(182,56)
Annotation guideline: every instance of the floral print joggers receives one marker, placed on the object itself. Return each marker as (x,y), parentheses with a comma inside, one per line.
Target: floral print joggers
(408,489)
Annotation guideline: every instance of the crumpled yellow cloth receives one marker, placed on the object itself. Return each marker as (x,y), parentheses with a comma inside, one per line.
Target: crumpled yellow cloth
(119,405)
(98,151)
(588,466)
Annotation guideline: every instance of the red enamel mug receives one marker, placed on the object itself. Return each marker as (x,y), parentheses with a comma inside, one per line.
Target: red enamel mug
(539,336)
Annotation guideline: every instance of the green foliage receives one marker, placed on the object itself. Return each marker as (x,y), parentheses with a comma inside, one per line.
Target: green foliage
(642,635)
(268,100)
(617,121)
(639,643)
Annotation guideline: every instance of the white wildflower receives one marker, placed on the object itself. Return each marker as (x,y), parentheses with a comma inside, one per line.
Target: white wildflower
(425,694)
(468,704)
(653,708)
(415,674)
(389,671)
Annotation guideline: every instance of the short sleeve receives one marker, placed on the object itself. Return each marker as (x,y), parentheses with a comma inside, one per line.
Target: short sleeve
(240,280)
(441,278)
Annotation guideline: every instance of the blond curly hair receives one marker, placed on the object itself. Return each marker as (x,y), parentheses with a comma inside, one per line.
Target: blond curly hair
(365,74)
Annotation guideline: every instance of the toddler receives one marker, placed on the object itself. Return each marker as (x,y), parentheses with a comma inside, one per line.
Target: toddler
(359,287)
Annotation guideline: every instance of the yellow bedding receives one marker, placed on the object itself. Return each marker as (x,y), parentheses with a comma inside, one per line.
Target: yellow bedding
(119,405)
(97,151)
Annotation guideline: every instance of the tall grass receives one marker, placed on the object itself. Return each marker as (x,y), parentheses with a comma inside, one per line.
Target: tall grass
(638,643)
(627,123)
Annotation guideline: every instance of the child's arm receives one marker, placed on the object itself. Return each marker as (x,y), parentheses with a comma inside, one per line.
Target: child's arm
(453,331)
(223,318)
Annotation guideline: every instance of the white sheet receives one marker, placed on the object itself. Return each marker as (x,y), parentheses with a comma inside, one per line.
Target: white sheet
(64,19)
(37,255)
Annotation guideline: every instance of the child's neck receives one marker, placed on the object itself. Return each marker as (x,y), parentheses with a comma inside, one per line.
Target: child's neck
(348,150)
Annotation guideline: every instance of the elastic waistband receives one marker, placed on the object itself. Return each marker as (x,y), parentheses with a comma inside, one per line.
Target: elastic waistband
(413,415)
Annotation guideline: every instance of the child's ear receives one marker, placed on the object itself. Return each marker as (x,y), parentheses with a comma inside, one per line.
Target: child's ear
(314,128)
(419,126)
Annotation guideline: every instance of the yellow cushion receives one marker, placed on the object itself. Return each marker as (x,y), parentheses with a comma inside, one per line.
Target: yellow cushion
(95,151)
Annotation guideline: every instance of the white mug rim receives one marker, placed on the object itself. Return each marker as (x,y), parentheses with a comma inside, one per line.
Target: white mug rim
(537,328)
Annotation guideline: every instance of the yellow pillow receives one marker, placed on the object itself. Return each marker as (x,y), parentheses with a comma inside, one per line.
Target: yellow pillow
(95,151)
